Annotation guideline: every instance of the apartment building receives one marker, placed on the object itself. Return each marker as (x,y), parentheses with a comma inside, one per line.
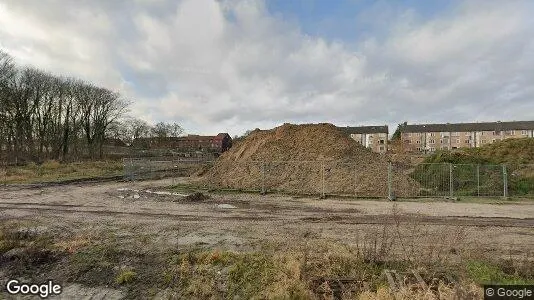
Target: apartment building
(432,137)
(373,137)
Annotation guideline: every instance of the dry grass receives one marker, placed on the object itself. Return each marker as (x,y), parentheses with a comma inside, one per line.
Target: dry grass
(303,268)
(54,171)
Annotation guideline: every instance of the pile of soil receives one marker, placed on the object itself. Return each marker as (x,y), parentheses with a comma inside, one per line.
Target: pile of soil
(299,158)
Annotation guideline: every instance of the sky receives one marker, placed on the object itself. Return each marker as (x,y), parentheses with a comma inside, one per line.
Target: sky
(232,65)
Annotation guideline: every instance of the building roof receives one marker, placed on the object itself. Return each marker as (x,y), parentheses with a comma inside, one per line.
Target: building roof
(467,127)
(364,129)
(190,137)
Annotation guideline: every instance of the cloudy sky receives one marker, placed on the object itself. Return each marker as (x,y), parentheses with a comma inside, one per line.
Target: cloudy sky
(227,66)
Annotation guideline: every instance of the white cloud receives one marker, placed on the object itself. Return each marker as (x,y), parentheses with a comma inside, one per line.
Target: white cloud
(231,65)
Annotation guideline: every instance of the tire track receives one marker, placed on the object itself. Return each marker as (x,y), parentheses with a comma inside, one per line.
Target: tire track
(293,216)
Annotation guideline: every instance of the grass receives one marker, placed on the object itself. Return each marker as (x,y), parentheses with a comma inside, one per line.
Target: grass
(126,276)
(483,272)
(516,154)
(54,171)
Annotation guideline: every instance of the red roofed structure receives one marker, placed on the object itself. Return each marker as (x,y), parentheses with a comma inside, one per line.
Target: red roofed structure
(218,143)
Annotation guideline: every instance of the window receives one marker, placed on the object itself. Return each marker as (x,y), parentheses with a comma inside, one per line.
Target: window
(524,132)
(418,142)
(381,142)
(432,149)
(467,141)
(455,134)
(381,148)
(496,132)
(432,142)
(432,134)
(441,141)
(509,132)
(457,141)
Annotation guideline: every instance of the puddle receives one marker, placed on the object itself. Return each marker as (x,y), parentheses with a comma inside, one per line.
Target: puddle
(165,193)
(225,206)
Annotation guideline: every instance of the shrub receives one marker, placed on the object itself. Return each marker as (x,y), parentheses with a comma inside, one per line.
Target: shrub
(126,276)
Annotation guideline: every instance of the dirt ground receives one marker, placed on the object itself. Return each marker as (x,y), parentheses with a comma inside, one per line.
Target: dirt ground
(143,213)
(237,220)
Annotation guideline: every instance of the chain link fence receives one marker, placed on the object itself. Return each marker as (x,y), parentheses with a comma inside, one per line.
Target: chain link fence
(345,178)
(158,167)
(340,178)
(453,180)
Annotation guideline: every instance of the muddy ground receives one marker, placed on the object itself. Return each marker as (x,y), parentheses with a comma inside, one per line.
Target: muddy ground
(148,213)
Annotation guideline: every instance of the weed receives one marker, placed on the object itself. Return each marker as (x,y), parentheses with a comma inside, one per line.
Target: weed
(126,276)
(52,171)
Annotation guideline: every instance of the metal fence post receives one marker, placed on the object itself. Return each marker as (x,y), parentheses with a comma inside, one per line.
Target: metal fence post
(478,180)
(505,181)
(322,179)
(390,188)
(262,177)
(451,189)
(355,181)
(132,172)
(174,166)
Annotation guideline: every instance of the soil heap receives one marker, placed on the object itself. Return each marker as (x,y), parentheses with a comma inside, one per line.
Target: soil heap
(296,158)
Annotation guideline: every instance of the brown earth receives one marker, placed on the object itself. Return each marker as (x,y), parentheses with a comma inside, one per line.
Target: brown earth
(299,158)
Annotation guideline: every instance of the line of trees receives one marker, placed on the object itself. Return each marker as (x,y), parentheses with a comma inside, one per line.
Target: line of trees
(130,129)
(43,116)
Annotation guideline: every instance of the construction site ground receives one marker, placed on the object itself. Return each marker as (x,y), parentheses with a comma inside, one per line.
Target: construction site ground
(492,222)
(149,213)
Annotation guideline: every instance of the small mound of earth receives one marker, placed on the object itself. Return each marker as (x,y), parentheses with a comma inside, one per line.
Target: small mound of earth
(300,158)
(197,197)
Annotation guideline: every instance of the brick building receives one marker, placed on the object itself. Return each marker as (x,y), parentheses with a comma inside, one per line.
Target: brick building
(432,137)
(218,143)
(373,137)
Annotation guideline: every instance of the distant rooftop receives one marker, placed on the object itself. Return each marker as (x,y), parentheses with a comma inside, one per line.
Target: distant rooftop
(364,129)
(467,127)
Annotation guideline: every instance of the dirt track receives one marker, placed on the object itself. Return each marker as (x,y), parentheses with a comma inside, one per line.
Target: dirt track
(129,210)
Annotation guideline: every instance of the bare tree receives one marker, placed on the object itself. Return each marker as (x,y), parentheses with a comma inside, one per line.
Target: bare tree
(45,116)
(163,129)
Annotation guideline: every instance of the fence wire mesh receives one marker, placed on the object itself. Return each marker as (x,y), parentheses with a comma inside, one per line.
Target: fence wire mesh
(342,178)
(346,178)
(452,180)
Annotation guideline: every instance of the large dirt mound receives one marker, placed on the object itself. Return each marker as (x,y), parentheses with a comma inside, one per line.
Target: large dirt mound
(299,158)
